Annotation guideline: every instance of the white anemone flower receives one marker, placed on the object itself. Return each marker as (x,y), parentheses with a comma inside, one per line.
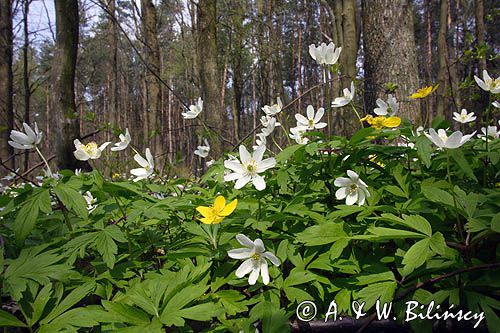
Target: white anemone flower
(260,141)
(351,189)
(249,167)
(325,54)
(346,99)
(29,140)
(266,121)
(88,151)
(312,120)
(496,104)
(194,110)
(442,140)
(390,108)
(488,84)
(147,165)
(203,151)
(297,133)
(273,109)
(267,130)
(255,254)
(125,140)
(464,117)
(90,201)
(491,132)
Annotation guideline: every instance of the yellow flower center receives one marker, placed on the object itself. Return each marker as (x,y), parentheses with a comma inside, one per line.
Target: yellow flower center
(256,256)
(91,148)
(251,167)
(311,122)
(352,189)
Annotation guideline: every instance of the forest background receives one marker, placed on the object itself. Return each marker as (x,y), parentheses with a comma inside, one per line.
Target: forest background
(89,69)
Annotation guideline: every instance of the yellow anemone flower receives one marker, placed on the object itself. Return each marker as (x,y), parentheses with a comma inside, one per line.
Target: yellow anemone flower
(424,92)
(381,121)
(218,211)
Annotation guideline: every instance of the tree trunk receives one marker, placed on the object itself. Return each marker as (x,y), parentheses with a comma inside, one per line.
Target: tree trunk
(26,76)
(64,65)
(442,57)
(113,65)
(209,74)
(153,87)
(6,108)
(389,46)
(480,30)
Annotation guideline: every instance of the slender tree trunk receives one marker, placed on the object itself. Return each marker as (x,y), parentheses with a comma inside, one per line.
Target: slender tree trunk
(442,59)
(152,88)
(113,65)
(26,77)
(67,21)
(480,31)
(209,73)
(6,107)
(389,45)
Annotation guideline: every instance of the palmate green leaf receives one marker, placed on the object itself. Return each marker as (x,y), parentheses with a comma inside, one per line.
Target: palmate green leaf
(106,245)
(75,296)
(31,265)
(75,318)
(383,291)
(381,233)
(360,135)
(72,200)
(8,320)
(414,222)
(322,234)
(127,313)
(28,213)
(232,301)
(275,320)
(39,304)
(171,314)
(416,256)
(437,195)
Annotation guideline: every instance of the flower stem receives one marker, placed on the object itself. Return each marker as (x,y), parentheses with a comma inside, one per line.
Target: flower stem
(357,114)
(459,224)
(327,100)
(44,160)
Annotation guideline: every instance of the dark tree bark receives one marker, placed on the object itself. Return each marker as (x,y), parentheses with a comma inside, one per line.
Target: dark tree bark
(152,84)
(443,77)
(209,74)
(389,46)
(6,108)
(64,65)
(480,30)
(26,76)
(113,65)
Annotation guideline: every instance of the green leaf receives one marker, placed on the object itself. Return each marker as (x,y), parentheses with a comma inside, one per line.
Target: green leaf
(459,157)
(39,304)
(416,255)
(286,153)
(172,314)
(424,150)
(72,200)
(383,291)
(438,243)
(26,217)
(325,233)
(360,135)
(388,233)
(127,313)
(495,223)
(8,320)
(414,222)
(73,297)
(437,195)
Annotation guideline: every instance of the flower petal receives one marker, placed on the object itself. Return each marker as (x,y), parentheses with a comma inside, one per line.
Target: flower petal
(244,155)
(264,272)
(259,183)
(245,268)
(229,208)
(254,275)
(245,241)
(272,258)
(242,253)
(242,182)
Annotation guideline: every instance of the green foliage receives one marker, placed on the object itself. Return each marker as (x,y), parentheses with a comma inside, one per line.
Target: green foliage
(138,263)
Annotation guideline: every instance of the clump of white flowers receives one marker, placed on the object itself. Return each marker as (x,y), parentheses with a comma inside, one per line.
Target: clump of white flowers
(203,150)
(147,166)
(442,140)
(89,150)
